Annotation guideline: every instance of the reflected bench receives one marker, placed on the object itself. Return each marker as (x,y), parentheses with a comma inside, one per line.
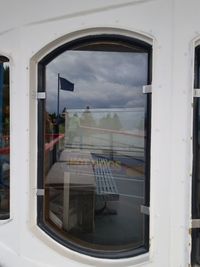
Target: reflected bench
(74,185)
(106,188)
(81,182)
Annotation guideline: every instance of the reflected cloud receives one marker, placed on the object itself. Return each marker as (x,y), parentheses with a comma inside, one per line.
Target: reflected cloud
(102,79)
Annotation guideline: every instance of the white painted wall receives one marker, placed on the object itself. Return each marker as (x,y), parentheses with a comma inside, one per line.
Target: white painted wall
(26,27)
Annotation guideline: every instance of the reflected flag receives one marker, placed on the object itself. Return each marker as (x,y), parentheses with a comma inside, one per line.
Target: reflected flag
(66,85)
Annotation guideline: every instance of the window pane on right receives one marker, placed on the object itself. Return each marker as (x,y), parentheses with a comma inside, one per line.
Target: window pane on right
(196,167)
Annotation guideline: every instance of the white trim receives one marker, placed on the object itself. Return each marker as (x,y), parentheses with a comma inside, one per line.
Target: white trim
(89,32)
(57,247)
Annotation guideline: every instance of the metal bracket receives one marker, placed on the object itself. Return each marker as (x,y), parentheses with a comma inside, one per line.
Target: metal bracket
(41,95)
(40,192)
(145,210)
(196,223)
(147,89)
(196,92)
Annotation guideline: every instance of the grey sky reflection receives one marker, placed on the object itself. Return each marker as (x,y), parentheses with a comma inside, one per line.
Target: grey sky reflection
(102,79)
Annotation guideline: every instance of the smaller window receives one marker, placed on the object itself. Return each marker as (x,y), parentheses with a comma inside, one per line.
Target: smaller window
(4,139)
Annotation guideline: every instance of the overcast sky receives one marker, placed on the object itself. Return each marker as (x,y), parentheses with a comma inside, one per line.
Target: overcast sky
(101,79)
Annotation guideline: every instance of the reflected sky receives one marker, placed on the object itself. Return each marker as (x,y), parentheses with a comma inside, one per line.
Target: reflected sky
(101,79)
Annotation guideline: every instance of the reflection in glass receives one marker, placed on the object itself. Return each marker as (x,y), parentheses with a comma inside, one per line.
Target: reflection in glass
(95,148)
(4,138)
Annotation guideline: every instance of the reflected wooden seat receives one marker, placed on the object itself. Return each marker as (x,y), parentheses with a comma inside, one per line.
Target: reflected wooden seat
(82,182)
(75,179)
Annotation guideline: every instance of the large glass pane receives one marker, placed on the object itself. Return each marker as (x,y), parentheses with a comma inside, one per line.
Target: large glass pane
(4,138)
(95,147)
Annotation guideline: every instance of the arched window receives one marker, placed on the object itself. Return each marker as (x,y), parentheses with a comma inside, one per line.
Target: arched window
(196,165)
(4,139)
(94,145)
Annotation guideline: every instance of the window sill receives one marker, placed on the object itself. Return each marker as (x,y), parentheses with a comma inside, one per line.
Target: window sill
(5,221)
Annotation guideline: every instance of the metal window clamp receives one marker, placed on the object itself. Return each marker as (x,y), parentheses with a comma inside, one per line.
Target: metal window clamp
(40,192)
(145,210)
(196,92)
(146,89)
(41,95)
(196,224)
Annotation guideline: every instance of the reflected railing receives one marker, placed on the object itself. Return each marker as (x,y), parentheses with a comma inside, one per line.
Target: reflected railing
(106,131)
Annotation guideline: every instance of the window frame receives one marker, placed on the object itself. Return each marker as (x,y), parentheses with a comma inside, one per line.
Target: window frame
(140,46)
(195,258)
(5,59)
